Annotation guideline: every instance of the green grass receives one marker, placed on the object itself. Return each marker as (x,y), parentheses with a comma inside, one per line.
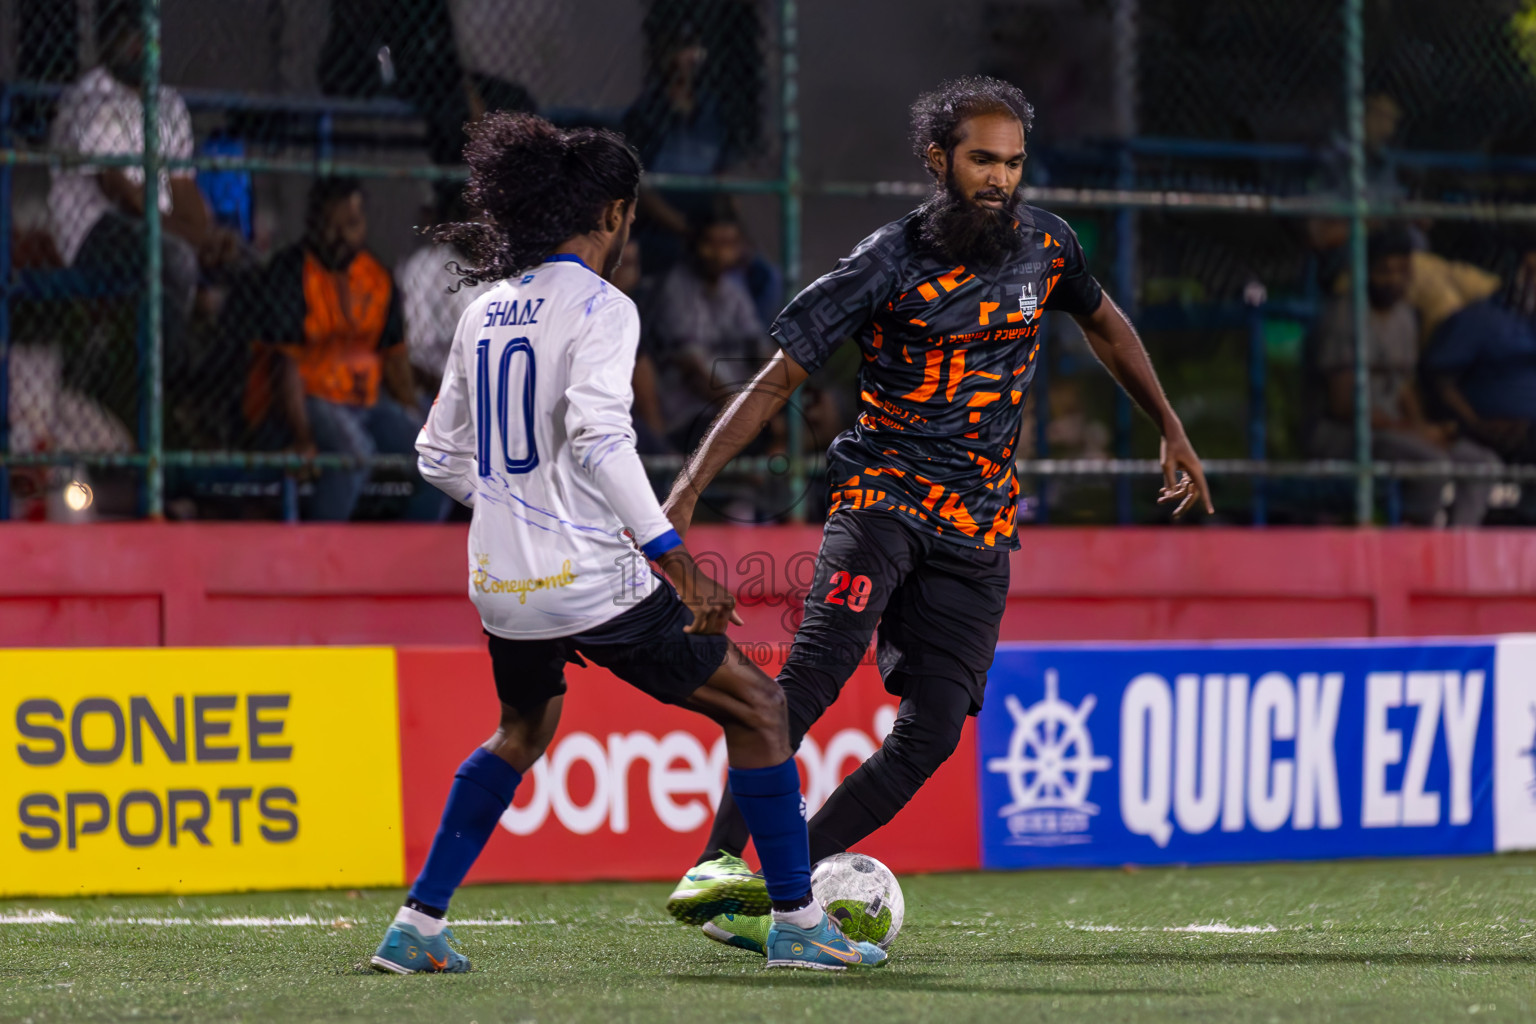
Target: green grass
(1398,941)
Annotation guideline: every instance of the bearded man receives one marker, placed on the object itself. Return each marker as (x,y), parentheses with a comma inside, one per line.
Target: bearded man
(945,306)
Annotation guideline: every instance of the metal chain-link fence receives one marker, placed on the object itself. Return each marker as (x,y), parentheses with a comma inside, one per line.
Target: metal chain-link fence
(261,339)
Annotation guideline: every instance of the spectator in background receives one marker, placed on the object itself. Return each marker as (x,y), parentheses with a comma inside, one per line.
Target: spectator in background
(708,340)
(1441,288)
(1328,237)
(1400,432)
(98,212)
(1481,367)
(433,299)
(332,324)
(679,124)
(650,425)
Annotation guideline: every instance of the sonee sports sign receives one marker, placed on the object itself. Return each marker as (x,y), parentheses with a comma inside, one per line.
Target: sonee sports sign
(188,771)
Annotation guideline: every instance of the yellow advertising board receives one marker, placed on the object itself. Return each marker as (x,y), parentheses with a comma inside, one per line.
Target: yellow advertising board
(198,770)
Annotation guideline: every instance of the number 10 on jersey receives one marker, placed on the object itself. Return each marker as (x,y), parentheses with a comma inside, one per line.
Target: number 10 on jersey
(484,406)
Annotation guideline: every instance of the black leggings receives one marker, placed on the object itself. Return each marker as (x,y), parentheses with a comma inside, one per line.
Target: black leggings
(928,724)
(938,609)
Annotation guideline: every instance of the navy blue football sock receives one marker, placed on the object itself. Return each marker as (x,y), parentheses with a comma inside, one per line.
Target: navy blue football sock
(772,807)
(482,791)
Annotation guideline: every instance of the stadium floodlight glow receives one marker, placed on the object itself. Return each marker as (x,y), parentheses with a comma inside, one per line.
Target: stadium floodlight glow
(78,496)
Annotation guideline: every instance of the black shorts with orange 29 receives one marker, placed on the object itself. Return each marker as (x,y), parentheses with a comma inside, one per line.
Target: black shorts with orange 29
(933,607)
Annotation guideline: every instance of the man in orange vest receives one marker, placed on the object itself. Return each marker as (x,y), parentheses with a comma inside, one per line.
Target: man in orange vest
(332,312)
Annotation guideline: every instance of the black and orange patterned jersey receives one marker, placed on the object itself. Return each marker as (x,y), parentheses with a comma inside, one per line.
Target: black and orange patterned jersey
(949,352)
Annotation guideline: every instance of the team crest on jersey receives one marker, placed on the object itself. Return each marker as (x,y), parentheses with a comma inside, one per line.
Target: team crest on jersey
(1028,301)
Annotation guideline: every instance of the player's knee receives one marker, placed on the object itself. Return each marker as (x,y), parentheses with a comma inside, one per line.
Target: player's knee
(765,708)
(925,745)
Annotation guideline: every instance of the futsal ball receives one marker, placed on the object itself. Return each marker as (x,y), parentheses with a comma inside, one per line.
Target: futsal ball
(861,895)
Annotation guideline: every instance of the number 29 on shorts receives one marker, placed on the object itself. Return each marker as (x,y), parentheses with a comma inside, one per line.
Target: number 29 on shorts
(849,590)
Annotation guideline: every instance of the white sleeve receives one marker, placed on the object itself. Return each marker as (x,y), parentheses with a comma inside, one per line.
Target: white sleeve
(598,421)
(445,448)
(419,321)
(176,142)
(94,126)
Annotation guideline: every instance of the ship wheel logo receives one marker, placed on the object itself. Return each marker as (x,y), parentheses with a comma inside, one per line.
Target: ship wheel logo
(1050,767)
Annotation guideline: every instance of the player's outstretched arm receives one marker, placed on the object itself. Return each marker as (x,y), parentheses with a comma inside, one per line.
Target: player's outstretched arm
(743,419)
(1115,342)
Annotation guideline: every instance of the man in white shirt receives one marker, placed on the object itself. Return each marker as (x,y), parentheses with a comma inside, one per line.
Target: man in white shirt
(709,340)
(430,309)
(98,211)
(532,430)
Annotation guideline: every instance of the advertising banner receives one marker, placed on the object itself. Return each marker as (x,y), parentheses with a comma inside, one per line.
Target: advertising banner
(216,770)
(1161,754)
(210,770)
(1514,780)
(629,785)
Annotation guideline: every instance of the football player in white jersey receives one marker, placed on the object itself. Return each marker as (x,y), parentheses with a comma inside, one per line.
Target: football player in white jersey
(532,429)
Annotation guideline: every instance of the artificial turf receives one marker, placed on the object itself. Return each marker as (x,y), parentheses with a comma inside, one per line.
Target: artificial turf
(1407,940)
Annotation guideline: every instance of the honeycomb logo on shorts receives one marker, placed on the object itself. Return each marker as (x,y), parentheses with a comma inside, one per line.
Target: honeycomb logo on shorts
(1050,767)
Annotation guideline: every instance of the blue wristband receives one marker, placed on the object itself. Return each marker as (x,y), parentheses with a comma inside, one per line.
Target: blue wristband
(661,545)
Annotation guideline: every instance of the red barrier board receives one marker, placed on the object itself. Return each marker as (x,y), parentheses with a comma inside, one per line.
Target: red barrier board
(219,584)
(628,787)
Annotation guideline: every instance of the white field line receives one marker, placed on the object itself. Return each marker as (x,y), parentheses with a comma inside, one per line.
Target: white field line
(1213,928)
(35,917)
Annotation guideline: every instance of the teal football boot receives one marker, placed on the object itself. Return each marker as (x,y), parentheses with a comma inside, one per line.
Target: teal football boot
(744,931)
(406,951)
(823,948)
(725,885)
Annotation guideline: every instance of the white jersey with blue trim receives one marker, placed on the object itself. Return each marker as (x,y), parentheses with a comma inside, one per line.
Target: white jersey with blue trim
(532,429)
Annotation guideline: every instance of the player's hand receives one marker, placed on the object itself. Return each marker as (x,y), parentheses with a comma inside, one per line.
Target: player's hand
(1183,478)
(712,604)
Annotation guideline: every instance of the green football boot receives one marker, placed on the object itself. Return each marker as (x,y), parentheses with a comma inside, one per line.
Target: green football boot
(744,931)
(725,885)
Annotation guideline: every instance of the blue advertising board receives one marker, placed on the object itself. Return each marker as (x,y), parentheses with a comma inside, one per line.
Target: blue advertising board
(1154,754)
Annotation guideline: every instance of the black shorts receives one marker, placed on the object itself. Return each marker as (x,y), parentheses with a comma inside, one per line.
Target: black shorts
(645,646)
(939,607)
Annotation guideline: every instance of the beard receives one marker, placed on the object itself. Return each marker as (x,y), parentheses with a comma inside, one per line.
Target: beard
(964,231)
(614,256)
(1382,298)
(334,256)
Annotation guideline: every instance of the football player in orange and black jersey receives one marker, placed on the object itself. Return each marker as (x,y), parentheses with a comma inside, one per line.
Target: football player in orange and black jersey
(945,307)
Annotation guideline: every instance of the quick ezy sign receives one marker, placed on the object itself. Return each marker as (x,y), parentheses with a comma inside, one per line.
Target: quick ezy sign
(1243,753)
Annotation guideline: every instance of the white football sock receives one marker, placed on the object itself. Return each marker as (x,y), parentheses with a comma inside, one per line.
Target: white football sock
(808,916)
(426,924)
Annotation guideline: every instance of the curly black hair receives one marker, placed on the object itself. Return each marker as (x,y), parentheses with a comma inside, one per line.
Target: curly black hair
(535,186)
(937,115)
